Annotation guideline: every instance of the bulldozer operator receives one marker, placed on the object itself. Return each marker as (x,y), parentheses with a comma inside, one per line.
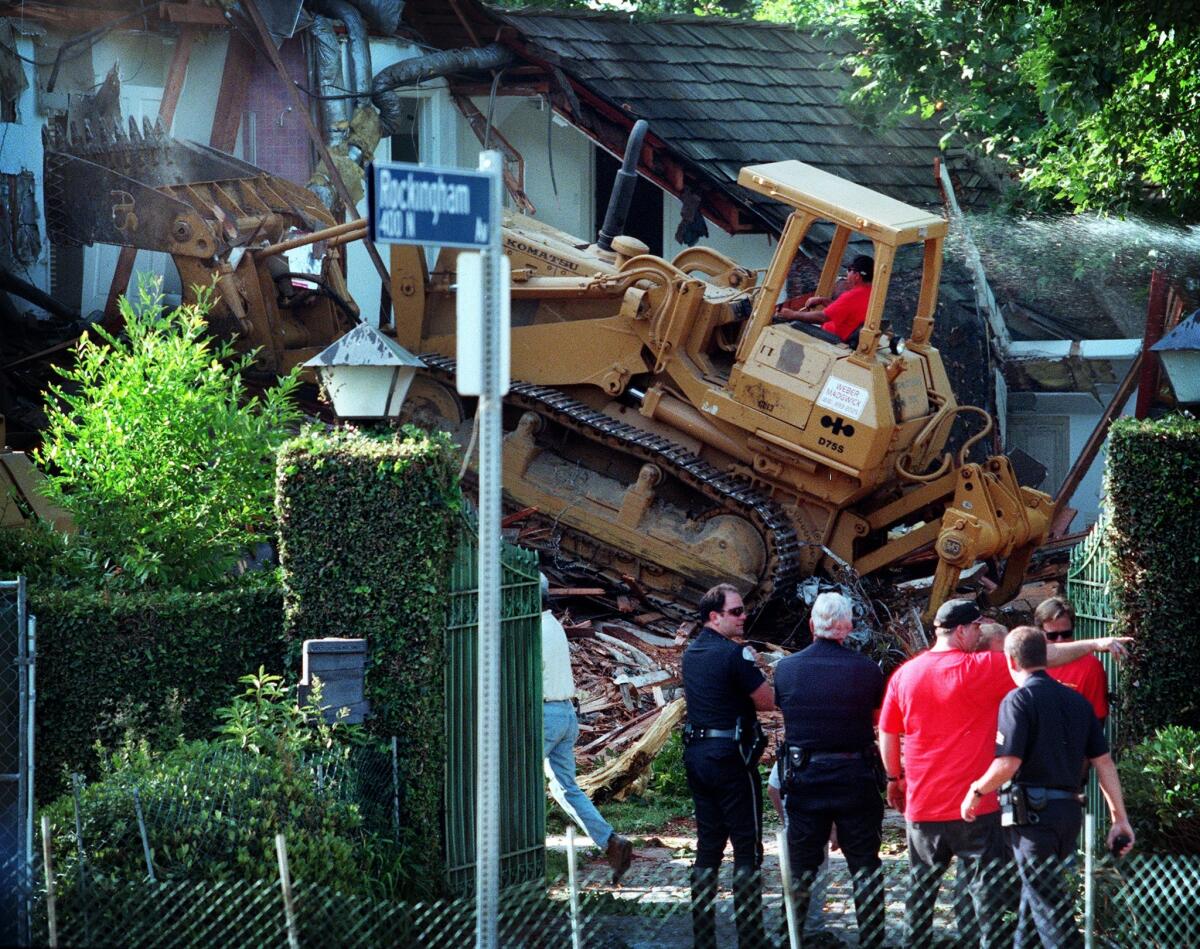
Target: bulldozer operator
(842,316)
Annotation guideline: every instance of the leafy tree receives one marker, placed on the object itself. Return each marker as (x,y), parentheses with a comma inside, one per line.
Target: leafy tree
(157,452)
(1094,106)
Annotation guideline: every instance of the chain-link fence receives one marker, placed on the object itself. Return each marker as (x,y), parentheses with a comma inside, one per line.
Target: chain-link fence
(1141,900)
(16,761)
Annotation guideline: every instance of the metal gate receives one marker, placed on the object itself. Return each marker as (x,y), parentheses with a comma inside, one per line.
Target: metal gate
(16,762)
(1088,590)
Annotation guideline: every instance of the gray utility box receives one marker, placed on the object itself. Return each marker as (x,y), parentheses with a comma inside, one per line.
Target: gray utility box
(341,665)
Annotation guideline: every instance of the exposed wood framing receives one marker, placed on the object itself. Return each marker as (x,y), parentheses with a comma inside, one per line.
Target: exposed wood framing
(513,165)
(196,13)
(231,98)
(1156,318)
(456,6)
(1060,520)
(176,74)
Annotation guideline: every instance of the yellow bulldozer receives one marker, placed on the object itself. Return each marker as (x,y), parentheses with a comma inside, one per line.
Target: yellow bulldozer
(666,428)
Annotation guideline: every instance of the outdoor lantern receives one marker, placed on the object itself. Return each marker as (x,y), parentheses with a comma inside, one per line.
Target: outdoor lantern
(365,375)
(1179,351)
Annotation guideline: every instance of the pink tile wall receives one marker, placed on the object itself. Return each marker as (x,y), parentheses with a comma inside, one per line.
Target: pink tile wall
(282,146)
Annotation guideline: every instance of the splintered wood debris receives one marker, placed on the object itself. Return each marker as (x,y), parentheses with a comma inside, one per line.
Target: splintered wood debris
(628,685)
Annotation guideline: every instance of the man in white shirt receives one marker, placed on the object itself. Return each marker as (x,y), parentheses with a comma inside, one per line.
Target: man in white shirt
(560,729)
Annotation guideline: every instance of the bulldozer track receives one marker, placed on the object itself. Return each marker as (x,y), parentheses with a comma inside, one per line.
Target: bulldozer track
(733,493)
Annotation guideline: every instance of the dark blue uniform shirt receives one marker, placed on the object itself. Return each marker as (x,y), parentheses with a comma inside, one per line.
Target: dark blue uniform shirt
(1052,729)
(828,695)
(718,677)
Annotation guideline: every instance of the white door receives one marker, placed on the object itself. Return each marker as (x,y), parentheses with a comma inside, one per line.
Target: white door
(100,260)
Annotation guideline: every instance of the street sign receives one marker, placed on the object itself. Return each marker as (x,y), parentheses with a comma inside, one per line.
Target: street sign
(447,207)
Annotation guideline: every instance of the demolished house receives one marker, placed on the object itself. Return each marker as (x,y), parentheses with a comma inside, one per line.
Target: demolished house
(293,89)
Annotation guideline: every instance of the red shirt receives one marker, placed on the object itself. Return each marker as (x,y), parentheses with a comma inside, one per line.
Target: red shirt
(848,312)
(1087,677)
(945,705)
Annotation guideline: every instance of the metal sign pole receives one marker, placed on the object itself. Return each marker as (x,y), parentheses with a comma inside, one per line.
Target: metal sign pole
(487,841)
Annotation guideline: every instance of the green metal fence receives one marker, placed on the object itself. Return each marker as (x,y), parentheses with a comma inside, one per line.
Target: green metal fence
(1088,589)
(522,795)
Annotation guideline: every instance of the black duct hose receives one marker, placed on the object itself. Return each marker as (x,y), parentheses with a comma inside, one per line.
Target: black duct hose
(409,72)
(27,291)
(622,194)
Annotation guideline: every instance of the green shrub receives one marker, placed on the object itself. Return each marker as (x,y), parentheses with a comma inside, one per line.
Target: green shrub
(367,526)
(44,556)
(1161,782)
(1153,496)
(153,665)
(154,448)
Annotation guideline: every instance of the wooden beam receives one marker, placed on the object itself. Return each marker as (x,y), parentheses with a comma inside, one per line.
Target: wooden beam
(176,74)
(466,24)
(1156,317)
(194,13)
(1058,520)
(231,98)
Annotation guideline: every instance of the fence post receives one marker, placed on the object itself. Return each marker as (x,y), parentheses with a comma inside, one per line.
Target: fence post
(137,807)
(573,888)
(30,797)
(1089,885)
(285,883)
(789,904)
(395,791)
(81,875)
(48,867)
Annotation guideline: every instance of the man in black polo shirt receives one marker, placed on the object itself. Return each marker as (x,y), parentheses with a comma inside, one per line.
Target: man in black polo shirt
(722,744)
(828,694)
(1044,733)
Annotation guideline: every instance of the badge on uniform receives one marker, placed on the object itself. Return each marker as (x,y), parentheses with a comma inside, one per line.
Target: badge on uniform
(999,737)
(749,654)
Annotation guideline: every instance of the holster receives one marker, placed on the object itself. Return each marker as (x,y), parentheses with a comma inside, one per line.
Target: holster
(795,761)
(1016,808)
(752,743)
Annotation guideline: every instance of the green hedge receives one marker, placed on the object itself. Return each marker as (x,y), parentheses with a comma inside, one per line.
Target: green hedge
(154,665)
(1153,495)
(367,527)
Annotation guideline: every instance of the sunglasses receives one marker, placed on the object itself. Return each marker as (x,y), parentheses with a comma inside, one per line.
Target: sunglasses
(736,611)
(1062,636)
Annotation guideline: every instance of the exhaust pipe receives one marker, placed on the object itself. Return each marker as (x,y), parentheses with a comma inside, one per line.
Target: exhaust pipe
(622,194)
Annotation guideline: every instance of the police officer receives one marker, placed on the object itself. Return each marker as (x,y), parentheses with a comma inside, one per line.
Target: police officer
(722,744)
(828,694)
(1044,733)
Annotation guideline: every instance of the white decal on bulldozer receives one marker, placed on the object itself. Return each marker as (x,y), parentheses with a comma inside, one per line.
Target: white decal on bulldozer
(843,397)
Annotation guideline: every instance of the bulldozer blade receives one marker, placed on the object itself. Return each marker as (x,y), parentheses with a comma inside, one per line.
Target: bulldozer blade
(97,204)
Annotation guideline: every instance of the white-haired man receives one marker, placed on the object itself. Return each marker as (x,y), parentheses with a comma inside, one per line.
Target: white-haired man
(828,694)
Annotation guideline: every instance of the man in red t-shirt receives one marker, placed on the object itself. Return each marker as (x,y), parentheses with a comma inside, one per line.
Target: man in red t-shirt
(844,315)
(945,702)
(1056,618)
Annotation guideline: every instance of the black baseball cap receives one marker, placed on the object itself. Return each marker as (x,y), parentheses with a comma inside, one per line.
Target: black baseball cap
(863,265)
(954,613)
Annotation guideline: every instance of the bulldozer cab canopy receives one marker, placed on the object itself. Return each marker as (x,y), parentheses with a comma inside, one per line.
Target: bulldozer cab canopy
(849,205)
